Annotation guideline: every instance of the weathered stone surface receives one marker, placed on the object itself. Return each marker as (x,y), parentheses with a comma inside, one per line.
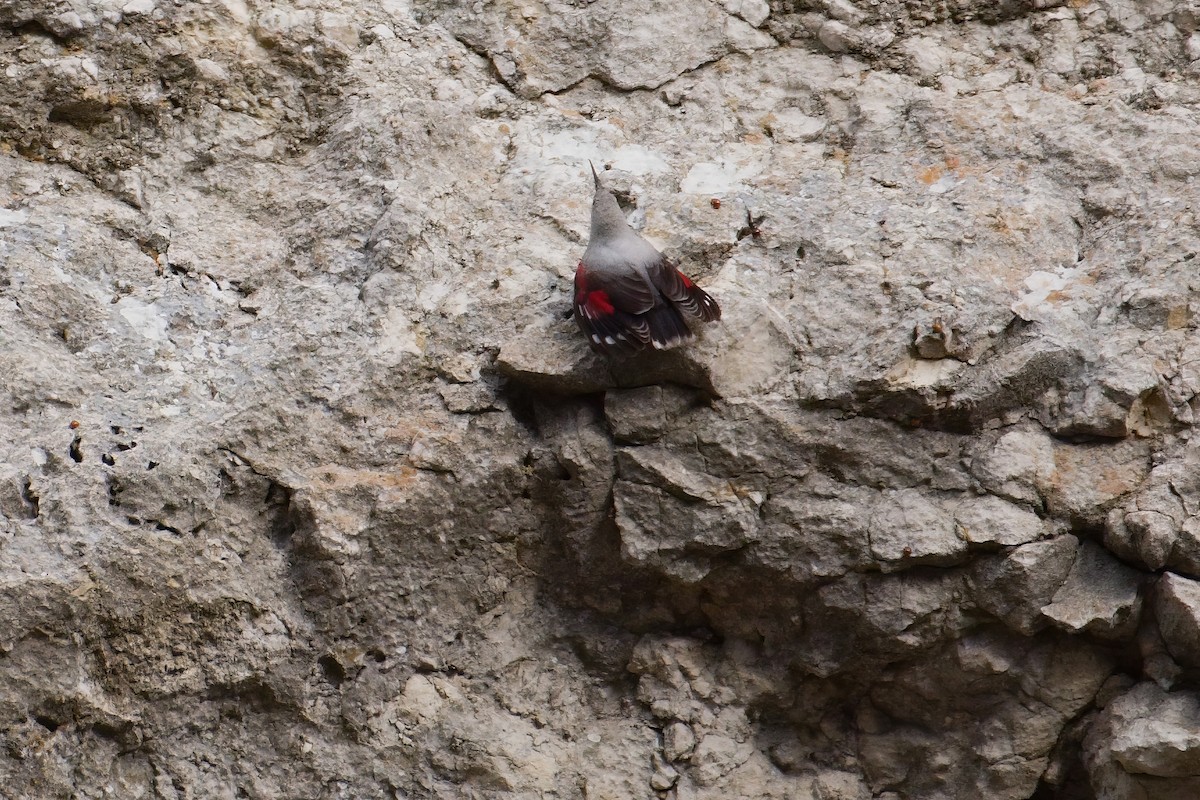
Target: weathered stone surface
(1145,744)
(1160,525)
(1023,692)
(547,49)
(908,527)
(309,488)
(1017,465)
(1100,596)
(1016,586)
(640,416)
(674,518)
(988,520)
(1177,608)
(678,742)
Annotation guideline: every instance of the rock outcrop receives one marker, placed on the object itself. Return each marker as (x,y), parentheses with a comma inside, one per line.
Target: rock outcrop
(310,489)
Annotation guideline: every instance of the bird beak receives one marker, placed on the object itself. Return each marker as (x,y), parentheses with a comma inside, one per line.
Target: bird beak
(595,177)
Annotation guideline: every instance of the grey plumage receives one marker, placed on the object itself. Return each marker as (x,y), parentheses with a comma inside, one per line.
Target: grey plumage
(627,294)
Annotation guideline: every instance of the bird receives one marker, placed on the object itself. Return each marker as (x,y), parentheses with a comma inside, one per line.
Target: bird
(628,295)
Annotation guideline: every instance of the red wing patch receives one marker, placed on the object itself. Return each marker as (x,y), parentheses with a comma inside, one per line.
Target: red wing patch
(598,303)
(617,319)
(607,328)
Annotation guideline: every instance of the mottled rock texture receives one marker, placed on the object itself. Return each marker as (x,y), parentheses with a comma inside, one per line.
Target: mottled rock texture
(309,489)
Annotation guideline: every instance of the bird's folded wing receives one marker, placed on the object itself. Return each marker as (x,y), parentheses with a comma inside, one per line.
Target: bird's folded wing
(626,292)
(679,289)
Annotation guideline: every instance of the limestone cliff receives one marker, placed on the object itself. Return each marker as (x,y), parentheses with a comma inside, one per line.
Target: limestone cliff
(309,489)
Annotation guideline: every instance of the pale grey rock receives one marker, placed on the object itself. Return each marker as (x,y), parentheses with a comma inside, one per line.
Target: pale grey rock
(836,36)
(908,528)
(307,486)
(558,360)
(750,352)
(836,539)
(1177,609)
(576,371)
(665,776)
(1159,526)
(1087,482)
(678,741)
(1145,744)
(639,415)
(559,45)
(831,784)
(1016,586)
(1144,536)
(753,11)
(988,520)
(1017,465)
(1100,596)
(673,517)
(676,677)
(718,755)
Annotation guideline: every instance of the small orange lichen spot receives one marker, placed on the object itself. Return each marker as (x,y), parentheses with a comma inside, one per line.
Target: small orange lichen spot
(503,128)
(1177,317)
(930,175)
(74,424)
(715,202)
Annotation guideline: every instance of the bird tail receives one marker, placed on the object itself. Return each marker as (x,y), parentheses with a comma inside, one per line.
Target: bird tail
(665,327)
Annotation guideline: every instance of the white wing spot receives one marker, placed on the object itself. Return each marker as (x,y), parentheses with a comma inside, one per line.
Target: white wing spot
(596,338)
(609,340)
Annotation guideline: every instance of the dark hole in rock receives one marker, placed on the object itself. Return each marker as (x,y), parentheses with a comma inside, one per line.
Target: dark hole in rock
(46,722)
(81,113)
(332,670)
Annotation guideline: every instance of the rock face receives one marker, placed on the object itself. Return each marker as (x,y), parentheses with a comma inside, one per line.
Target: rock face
(309,489)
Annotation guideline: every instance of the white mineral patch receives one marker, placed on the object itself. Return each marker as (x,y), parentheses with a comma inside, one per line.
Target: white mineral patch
(135,7)
(719,177)
(639,160)
(10,218)
(397,336)
(1044,292)
(145,318)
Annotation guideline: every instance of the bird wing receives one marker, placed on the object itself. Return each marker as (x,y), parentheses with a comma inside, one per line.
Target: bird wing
(624,291)
(679,289)
(601,311)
